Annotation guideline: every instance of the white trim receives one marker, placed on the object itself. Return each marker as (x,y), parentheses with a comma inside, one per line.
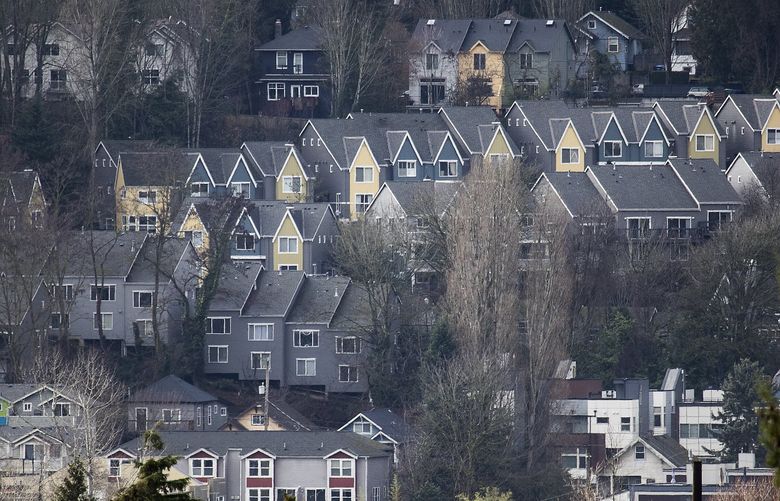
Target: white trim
(500,128)
(245,211)
(594,14)
(281,223)
(705,136)
(199,158)
(706,111)
(292,152)
(319,136)
(653,117)
(246,167)
(401,146)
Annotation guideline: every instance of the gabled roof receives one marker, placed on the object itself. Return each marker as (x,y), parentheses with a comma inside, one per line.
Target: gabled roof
(666,448)
(493,34)
(318,300)
(353,313)
(540,34)
(215,214)
(172,389)
(575,191)
(447,34)
(114,252)
(172,253)
(754,108)
(264,156)
(389,423)
(275,293)
(116,146)
(616,23)
(464,122)
(265,215)
(704,181)
(765,166)
(219,161)
(641,187)
(236,282)
(306,38)
(154,168)
(386,132)
(22,184)
(308,217)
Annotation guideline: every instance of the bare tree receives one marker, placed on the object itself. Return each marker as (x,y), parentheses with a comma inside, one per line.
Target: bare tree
(461,9)
(658,18)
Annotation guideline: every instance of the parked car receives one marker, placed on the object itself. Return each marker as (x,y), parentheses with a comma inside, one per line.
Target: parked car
(698,92)
(638,89)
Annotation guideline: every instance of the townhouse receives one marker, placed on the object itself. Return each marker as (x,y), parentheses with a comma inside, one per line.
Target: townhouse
(285,176)
(696,134)
(610,35)
(267,466)
(22,200)
(383,426)
(205,222)
(305,330)
(755,173)
(750,123)
(104,177)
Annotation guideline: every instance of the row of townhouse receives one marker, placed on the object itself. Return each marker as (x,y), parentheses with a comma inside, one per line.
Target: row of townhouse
(22,200)
(304,330)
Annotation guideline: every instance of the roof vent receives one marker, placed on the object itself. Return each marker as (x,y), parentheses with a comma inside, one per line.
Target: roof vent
(507,22)
(431,22)
(550,22)
(284,445)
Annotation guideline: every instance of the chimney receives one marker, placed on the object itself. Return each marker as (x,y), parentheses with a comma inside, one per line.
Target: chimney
(278,28)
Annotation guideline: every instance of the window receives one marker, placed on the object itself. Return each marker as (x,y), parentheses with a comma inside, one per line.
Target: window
(348,374)
(612,149)
(526,61)
(305,366)
(570,155)
(431,61)
(145,328)
(654,149)
(602,420)
(245,242)
(281,60)
(115,467)
(259,494)
(37,218)
(142,299)
(218,354)
(576,459)
(260,360)
(340,467)
(261,332)
(200,189)
(240,190)
(657,421)
(677,227)
(591,25)
(259,467)
(311,91)
(717,220)
(347,345)
(106,292)
(362,201)
(612,44)
(479,61)
(639,452)
(288,245)
(150,77)
(171,415)
(315,494)
(407,168)
(147,197)
(638,227)
(147,223)
(341,495)
(200,468)
(362,426)
(51,49)
(376,494)
(106,321)
(27,407)
(197,238)
(286,493)
(61,409)
(448,168)
(59,320)
(625,424)
(364,174)
(288,267)
(432,90)
(705,142)
(218,325)
(291,184)
(773,136)
(275,91)
(298,63)
(64,291)
(258,420)
(306,338)
(11,223)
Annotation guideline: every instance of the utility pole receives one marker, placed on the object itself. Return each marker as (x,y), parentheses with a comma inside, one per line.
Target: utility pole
(697,487)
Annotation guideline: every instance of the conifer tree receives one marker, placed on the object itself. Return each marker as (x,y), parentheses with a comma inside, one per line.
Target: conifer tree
(74,487)
(739,431)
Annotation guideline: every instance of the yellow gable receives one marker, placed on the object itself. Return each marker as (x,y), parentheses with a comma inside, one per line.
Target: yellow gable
(292,168)
(282,255)
(570,142)
(360,192)
(773,122)
(499,145)
(706,129)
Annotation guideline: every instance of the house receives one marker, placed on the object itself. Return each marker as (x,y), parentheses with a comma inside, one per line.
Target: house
(293,74)
(39,406)
(750,123)
(464,124)
(433,61)
(698,425)
(267,160)
(29,451)
(172,404)
(281,417)
(218,172)
(696,132)
(752,172)
(647,459)
(167,54)
(147,189)
(202,219)
(251,465)
(569,195)
(22,200)
(611,36)
(682,50)
(381,425)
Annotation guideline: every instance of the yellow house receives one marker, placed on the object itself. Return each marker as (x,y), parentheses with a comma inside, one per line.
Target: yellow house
(292,182)
(500,145)
(770,134)
(194,228)
(704,141)
(145,190)
(482,70)
(364,174)
(570,150)
(281,417)
(288,245)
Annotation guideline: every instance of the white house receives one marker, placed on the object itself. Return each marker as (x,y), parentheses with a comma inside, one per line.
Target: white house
(697,422)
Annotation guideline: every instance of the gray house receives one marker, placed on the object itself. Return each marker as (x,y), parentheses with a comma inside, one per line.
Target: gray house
(743,118)
(612,36)
(253,466)
(172,404)
(106,162)
(755,172)
(381,425)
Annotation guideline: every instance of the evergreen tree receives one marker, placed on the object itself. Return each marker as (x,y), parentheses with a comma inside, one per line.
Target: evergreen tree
(153,483)
(739,431)
(74,487)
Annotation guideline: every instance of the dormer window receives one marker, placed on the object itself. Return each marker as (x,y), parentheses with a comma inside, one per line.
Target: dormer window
(479,61)
(591,25)
(407,168)
(613,149)
(340,467)
(362,426)
(527,61)
(431,61)
(258,467)
(201,468)
(200,189)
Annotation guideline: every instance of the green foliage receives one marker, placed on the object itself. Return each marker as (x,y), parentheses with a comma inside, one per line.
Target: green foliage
(600,357)
(152,483)
(34,133)
(74,486)
(740,430)
(769,416)
(487,494)
(441,345)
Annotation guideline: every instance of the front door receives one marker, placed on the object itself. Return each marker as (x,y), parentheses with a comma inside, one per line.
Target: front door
(140,418)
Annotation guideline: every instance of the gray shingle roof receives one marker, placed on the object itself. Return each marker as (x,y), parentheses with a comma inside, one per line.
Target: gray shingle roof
(766,167)
(171,253)
(154,168)
(392,425)
(668,448)
(447,34)
(705,180)
(172,389)
(306,38)
(492,33)
(540,35)
(236,281)
(386,131)
(617,23)
(13,392)
(114,253)
(219,161)
(418,198)
(263,153)
(675,111)
(577,192)
(639,187)
(282,444)
(353,313)
(267,215)
(466,119)
(117,146)
(274,295)
(318,300)
(22,183)
(216,214)
(309,216)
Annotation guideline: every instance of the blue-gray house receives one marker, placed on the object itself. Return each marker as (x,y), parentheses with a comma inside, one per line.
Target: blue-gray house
(612,36)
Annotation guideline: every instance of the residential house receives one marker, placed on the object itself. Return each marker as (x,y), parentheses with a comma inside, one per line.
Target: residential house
(172,404)
(202,219)
(750,123)
(473,128)
(433,61)
(28,452)
(218,172)
(755,172)
(381,425)
(281,416)
(646,459)
(249,465)
(267,160)
(611,36)
(682,50)
(167,54)
(697,134)
(22,200)
(307,329)
(149,185)
(293,74)
(106,162)
(698,423)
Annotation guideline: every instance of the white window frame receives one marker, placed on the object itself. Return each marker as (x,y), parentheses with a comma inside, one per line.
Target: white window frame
(339,465)
(237,189)
(653,145)
(451,164)
(623,424)
(104,316)
(527,60)
(311,91)
(339,493)
(306,362)
(145,327)
(407,168)
(705,137)
(288,267)
(729,212)
(431,61)
(362,201)
(227,326)
(363,169)
(349,368)
(281,55)
(259,494)
(219,348)
(116,464)
(315,336)
(260,421)
(252,332)
(612,145)
(197,238)
(297,63)
(775,133)
(137,299)
(264,355)
(288,184)
(591,24)
(93,292)
(174,415)
(639,449)
(340,345)
(279,91)
(260,466)
(287,247)
(243,238)
(359,426)
(202,467)
(570,150)
(641,234)
(613,42)
(61,405)
(376,494)
(147,197)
